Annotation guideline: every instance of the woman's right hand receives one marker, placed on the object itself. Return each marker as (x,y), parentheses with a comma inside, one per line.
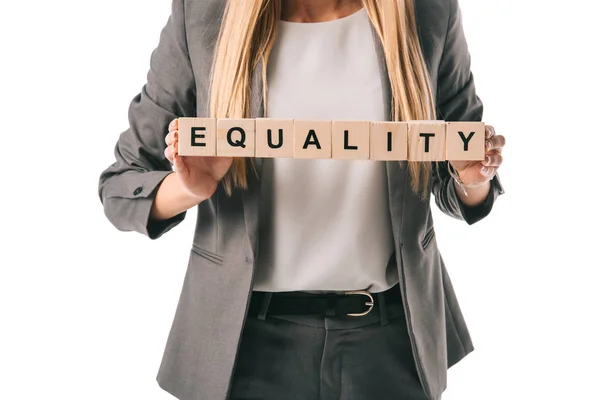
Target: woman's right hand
(199,175)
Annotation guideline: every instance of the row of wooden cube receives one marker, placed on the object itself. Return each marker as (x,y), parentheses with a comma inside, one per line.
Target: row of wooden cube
(380,140)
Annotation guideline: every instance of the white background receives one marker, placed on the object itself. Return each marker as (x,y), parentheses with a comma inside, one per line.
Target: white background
(85,309)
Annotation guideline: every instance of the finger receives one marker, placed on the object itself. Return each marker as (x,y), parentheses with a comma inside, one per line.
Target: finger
(489,131)
(170,138)
(488,172)
(178,164)
(174,125)
(493,159)
(169,153)
(495,142)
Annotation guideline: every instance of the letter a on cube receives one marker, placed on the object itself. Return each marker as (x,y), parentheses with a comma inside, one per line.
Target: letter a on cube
(312,139)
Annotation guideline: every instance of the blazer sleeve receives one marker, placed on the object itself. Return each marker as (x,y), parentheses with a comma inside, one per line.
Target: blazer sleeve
(127,188)
(457,100)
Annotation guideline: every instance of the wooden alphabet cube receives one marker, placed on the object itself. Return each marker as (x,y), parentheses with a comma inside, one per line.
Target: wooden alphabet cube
(235,137)
(426,140)
(350,139)
(389,141)
(197,136)
(465,141)
(312,139)
(274,138)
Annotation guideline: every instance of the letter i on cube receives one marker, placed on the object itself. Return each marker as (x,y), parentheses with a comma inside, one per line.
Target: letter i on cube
(389,141)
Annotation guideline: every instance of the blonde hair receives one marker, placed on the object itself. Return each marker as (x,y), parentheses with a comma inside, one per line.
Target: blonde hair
(246,38)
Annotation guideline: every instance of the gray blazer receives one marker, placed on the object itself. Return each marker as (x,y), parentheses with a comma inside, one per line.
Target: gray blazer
(201,349)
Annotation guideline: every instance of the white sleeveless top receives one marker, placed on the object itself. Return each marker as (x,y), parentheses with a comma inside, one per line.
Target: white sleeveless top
(324,224)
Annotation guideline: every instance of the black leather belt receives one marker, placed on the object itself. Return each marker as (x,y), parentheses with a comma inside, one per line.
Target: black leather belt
(352,303)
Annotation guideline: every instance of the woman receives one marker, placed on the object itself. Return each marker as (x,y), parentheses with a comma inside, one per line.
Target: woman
(307,279)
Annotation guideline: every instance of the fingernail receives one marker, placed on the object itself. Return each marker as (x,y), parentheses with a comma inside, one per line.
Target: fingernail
(488,144)
(488,160)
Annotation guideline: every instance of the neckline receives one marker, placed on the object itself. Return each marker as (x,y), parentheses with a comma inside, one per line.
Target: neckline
(342,20)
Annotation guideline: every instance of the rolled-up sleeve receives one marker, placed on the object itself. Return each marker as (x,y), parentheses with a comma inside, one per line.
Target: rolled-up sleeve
(457,100)
(127,188)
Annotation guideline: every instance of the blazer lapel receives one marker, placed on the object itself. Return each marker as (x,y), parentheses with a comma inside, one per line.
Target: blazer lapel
(250,197)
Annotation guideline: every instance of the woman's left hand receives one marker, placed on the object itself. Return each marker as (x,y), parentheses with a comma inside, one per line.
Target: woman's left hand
(478,173)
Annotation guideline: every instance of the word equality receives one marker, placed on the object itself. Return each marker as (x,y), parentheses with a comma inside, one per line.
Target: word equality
(289,138)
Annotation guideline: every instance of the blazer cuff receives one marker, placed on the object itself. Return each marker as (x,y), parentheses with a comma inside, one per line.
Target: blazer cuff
(128,203)
(474,214)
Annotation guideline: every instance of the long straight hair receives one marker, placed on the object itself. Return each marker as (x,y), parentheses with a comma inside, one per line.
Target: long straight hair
(246,37)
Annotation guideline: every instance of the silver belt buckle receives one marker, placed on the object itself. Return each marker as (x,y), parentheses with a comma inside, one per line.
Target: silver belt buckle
(369,303)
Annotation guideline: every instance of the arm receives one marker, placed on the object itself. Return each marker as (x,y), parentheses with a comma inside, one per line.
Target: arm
(457,100)
(475,196)
(172,199)
(128,187)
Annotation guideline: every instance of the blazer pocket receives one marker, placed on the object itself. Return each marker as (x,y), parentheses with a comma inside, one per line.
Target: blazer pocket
(427,238)
(207,255)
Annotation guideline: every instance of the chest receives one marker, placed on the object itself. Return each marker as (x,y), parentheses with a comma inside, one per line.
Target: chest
(431,18)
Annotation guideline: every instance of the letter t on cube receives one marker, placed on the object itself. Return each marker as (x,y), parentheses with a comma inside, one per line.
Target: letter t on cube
(426,140)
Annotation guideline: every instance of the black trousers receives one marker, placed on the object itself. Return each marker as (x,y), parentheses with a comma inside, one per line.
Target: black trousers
(326,358)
